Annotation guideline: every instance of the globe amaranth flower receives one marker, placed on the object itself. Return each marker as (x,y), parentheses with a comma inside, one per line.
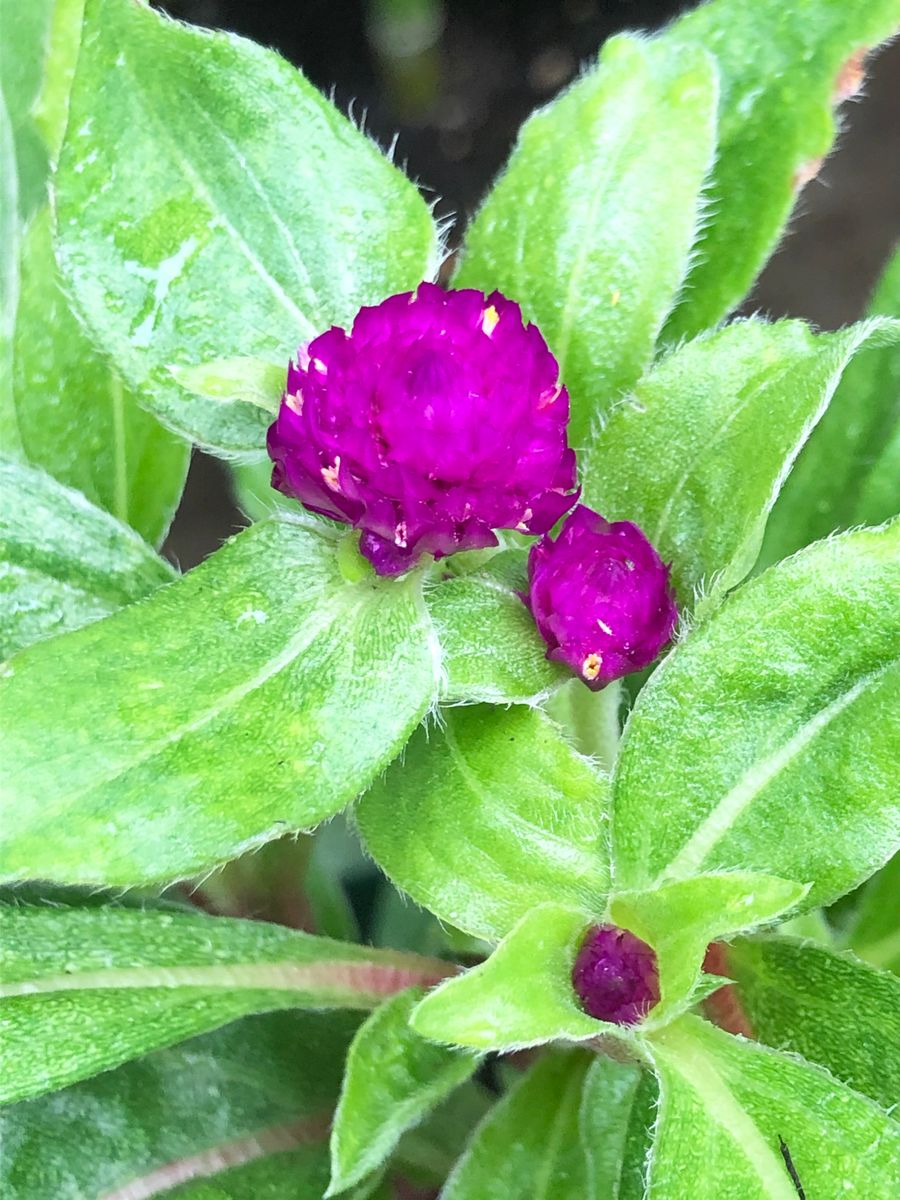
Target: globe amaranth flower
(438,419)
(601,597)
(616,975)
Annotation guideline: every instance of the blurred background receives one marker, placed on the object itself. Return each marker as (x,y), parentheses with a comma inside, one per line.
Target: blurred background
(453,80)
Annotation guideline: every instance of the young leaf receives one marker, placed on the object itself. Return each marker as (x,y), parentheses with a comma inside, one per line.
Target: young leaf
(491,649)
(69,413)
(488,815)
(680,919)
(522,996)
(830,486)
(393,1079)
(696,457)
(236,180)
(252,380)
(732,1114)
(257,1088)
(830,1008)
(82,990)
(26,30)
(63,562)
(769,739)
(875,931)
(590,226)
(783,67)
(615,1120)
(257,695)
(528,1145)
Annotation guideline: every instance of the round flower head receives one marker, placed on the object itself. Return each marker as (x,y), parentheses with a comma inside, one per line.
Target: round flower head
(600,596)
(438,419)
(615,977)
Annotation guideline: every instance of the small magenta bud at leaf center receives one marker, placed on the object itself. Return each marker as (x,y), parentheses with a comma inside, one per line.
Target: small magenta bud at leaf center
(437,419)
(600,597)
(616,977)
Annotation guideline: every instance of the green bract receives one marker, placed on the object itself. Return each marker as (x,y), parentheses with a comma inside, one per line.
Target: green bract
(209,989)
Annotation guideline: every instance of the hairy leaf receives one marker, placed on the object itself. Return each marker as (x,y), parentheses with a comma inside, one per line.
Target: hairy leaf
(727,1107)
(23,47)
(252,380)
(590,226)
(63,562)
(257,695)
(393,1080)
(697,455)
(487,815)
(260,1087)
(82,990)
(615,1121)
(528,1146)
(875,929)
(828,1007)
(239,182)
(783,68)
(846,474)
(769,740)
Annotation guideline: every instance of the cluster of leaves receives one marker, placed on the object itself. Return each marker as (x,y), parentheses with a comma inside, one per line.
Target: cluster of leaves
(208,210)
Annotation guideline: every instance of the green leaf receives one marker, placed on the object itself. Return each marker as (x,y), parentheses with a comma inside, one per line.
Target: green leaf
(51,106)
(257,695)
(697,455)
(9,254)
(591,224)
(63,562)
(615,1121)
(259,1087)
(252,380)
(830,486)
(393,1079)
(253,492)
(830,1008)
(82,990)
(528,1146)
(236,181)
(23,47)
(769,739)
(724,1105)
(487,815)
(428,1152)
(491,649)
(680,919)
(781,68)
(875,932)
(522,996)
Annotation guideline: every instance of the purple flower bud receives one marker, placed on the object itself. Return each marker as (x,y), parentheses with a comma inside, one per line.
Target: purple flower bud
(437,420)
(615,976)
(601,598)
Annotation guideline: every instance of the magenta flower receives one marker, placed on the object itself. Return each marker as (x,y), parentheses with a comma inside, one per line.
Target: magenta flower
(615,977)
(600,597)
(438,419)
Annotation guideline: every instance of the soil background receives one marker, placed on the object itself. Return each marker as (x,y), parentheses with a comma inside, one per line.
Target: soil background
(455,80)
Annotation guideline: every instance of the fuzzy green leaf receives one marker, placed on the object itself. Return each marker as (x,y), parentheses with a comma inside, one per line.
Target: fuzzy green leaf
(783,67)
(680,919)
(63,562)
(487,815)
(590,226)
(769,740)
(491,649)
(257,695)
(522,996)
(23,47)
(82,990)
(846,474)
(252,380)
(393,1079)
(724,1105)
(697,455)
(263,1086)
(9,255)
(615,1120)
(528,1146)
(236,180)
(830,1008)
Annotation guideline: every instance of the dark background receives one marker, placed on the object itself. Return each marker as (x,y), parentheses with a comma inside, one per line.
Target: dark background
(454,79)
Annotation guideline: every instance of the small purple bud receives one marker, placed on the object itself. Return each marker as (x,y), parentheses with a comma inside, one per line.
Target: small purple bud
(600,597)
(615,976)
(438,419)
